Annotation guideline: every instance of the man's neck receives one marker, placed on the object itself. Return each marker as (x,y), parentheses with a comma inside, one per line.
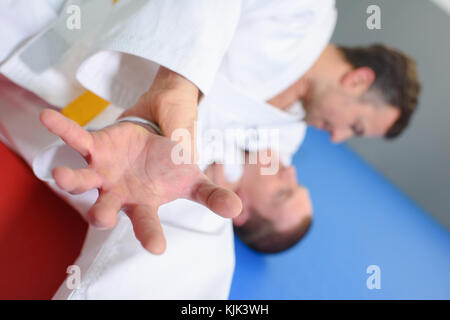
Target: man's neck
(290,95)
(322,70)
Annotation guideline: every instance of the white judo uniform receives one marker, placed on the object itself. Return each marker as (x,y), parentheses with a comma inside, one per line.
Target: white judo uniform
(238,53)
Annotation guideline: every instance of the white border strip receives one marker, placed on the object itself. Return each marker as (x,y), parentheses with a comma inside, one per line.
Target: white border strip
(443,4)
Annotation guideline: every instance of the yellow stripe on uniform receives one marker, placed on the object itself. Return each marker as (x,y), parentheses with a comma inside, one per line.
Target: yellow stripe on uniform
(85,108)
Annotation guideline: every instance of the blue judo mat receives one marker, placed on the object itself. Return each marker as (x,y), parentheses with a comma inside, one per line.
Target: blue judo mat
(360,219)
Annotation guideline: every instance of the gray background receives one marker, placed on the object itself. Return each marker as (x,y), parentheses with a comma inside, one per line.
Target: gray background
(419,161)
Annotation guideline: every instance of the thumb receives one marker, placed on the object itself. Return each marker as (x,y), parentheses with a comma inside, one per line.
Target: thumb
(222,201)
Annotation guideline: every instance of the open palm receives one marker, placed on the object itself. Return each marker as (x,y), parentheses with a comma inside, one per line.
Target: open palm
(133,171)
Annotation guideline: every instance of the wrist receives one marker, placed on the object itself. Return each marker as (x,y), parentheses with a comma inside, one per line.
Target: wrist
(171,101)
(150,126)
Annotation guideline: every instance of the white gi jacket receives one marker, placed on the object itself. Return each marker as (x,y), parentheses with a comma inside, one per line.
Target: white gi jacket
(260,48)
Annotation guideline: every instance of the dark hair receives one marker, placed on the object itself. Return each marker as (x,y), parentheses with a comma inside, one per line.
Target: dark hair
(396,79)
(260,234)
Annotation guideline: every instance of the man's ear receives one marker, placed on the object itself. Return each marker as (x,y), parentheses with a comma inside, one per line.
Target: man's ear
(358,81)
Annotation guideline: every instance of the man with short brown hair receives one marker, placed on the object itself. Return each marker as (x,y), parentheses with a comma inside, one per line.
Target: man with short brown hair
(366,91)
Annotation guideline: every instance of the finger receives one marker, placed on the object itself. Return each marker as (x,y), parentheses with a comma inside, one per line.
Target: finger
(220,200)
(76,181)
(147,228)
(68,130)
(103,214)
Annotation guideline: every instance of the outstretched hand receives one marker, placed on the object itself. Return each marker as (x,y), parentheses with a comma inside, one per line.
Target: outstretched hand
(133,171)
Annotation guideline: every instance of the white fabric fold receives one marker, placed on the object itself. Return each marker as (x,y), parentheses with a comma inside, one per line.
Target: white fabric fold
(276,43)
(227,110)
(190,39)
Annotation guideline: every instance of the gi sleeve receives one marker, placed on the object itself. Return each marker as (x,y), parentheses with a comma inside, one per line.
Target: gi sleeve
(188,37)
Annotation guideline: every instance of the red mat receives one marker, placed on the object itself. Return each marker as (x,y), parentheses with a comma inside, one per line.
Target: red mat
(40,235)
